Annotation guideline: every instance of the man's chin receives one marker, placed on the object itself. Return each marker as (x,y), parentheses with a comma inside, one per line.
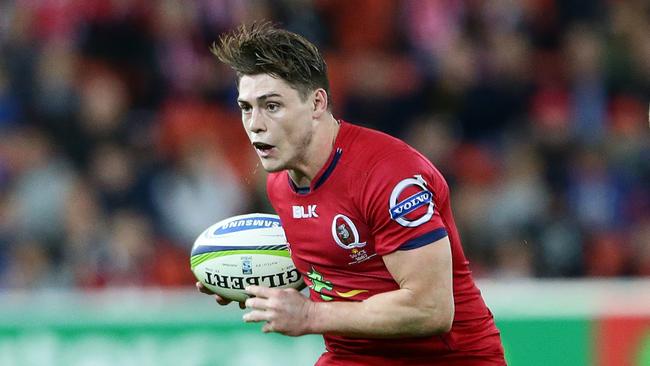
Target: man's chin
(272,168)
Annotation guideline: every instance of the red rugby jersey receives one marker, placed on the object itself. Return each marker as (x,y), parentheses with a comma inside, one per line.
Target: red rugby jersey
(376,195)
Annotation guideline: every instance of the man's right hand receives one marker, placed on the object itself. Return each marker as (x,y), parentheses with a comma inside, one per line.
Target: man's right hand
(220,300)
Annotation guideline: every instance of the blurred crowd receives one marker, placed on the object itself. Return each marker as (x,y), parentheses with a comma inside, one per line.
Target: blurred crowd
(120,138)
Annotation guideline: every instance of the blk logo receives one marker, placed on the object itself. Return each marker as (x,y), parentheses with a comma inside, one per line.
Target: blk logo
(301,212)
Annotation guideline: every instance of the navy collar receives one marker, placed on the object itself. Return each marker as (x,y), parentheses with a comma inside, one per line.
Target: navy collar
(322,178)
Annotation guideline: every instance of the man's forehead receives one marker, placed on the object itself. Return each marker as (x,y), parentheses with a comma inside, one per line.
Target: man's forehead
(254,86)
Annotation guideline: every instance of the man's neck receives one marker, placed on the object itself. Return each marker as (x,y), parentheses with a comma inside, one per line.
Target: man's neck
(318,152)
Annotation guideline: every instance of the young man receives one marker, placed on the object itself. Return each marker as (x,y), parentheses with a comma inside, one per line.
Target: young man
(367,217)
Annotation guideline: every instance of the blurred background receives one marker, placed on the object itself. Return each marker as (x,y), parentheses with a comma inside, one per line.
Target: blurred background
(120,138)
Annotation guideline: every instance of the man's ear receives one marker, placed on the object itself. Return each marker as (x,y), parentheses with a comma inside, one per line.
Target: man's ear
(319,103)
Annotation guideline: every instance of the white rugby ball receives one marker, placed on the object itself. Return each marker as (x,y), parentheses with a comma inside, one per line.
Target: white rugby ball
(241,251)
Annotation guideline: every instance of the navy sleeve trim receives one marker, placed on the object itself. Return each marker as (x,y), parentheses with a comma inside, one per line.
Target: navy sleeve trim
(425,239)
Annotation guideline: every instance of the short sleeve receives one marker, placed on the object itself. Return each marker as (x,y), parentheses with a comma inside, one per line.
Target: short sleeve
(400,200)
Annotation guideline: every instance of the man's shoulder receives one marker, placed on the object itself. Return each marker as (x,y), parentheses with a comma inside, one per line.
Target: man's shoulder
(369,146)
(381,160)
(371,137)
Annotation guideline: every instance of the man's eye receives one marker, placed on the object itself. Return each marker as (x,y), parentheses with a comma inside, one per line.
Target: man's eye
(273,107)
(245,108)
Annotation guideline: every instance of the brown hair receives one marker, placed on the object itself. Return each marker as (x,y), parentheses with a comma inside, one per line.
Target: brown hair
(261,48)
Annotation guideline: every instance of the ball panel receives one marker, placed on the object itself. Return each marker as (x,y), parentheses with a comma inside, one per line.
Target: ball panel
(229,275)
(195,260)
(241,223)
(201,249)
(244,250)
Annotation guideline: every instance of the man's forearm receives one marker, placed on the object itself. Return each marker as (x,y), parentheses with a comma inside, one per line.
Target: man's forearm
(391,314)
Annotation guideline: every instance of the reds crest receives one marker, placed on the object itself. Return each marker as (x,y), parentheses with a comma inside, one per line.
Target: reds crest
(345,233)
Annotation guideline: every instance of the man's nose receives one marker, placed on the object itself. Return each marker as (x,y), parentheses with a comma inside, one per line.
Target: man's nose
(256,122)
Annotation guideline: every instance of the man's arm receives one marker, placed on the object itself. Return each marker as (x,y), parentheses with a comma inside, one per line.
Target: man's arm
(423,305)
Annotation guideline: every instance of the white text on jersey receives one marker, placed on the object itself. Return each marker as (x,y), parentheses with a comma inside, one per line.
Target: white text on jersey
(300,212)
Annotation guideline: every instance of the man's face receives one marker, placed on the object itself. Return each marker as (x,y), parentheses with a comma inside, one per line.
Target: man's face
(277,121)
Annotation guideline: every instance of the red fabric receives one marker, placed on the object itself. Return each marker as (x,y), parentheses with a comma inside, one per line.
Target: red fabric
(339,231)
(330,359)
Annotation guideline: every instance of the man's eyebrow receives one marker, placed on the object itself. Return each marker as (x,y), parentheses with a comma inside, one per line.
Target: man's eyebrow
(262,98)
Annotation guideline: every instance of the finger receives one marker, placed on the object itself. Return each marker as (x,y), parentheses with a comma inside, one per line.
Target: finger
(268,328)
(203,289)
(260,291)
(256,316)
(257,303)
(221,301)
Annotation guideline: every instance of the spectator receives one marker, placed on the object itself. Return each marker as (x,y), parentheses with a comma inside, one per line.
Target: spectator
(116,128)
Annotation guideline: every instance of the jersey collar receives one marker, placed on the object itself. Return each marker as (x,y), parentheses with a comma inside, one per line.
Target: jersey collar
(327,169)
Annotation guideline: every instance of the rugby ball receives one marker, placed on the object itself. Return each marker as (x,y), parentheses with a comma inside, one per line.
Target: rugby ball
(241,251)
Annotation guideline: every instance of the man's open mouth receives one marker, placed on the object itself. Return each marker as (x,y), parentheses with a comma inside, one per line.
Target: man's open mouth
(262,146)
